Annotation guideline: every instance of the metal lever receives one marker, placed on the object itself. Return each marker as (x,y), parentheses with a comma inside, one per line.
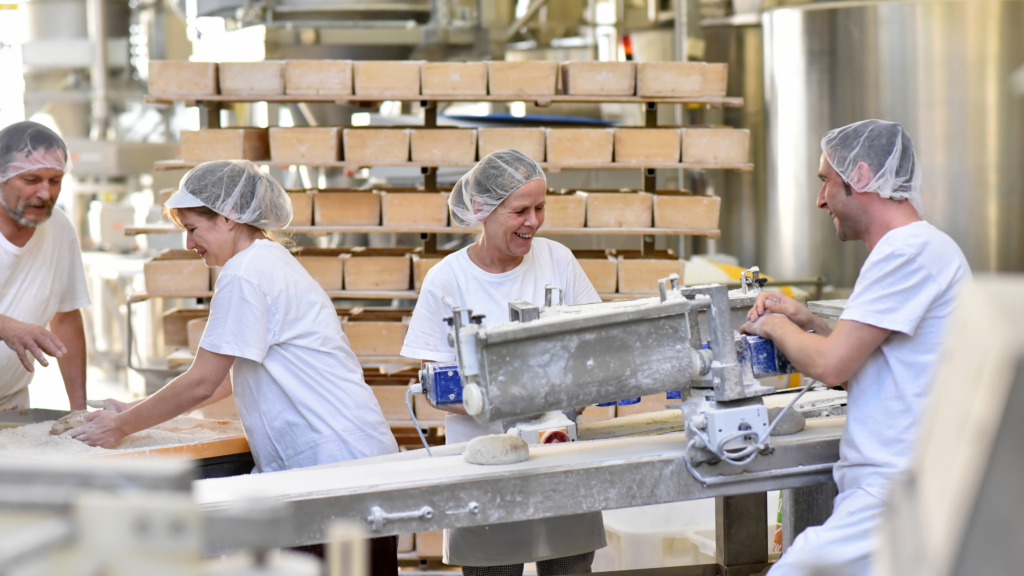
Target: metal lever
(378,517)
(667,284)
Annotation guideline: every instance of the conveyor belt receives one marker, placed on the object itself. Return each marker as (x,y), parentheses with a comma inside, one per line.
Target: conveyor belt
(557,480)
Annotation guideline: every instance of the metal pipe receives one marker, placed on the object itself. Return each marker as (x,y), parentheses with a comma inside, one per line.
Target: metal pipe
(97,24)
(523,20)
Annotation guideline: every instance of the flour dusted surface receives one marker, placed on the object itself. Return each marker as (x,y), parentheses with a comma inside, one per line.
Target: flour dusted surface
(34,440)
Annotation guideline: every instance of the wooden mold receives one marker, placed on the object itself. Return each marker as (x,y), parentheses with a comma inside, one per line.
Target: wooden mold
(580,145)
(454,78)
(182,78)
(264,78)
(224,144)
(619,209)
(679,210)
(302,208)
(650,145)
(529,78)
(176,272)
(318,78)
(346,208)
(601,268)
(529,141)
(387,79)
(376,145)
(325,265)
(305,145)
(639,274)
(378,269)
(589,78)
(716,145)
(670,79)
(412,209)
(567,209)
(443,145)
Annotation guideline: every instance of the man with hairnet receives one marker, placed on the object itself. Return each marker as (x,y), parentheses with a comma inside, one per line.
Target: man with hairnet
(42,281)
(888,339)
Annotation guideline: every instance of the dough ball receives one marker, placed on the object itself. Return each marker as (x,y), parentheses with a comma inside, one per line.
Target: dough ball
(69,422)
(496,449)
(791,423)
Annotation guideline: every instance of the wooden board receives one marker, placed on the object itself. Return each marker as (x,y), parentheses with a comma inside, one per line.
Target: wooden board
(197,451)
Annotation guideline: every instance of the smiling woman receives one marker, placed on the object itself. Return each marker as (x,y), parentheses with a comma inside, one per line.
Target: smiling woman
(505,192)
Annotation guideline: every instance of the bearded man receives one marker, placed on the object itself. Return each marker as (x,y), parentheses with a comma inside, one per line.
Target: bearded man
(42,281)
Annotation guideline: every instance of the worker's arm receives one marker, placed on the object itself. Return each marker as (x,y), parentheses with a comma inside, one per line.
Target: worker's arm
(25,339)
(453,408)
(831,359)
(779,303)
(118,406)
(194,387)
(68,328)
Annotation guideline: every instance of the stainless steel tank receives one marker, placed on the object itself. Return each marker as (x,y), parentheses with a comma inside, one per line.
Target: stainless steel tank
(939,67)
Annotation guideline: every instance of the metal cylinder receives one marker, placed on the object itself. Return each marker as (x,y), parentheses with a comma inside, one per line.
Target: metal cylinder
(942,69)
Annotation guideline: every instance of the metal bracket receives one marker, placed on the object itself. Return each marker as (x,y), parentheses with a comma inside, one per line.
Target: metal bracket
(549,295)
(523,311)
(471,508)
(751,281)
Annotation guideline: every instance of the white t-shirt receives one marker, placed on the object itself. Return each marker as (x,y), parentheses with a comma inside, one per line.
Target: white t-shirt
(457,282)
(298,385)
(909,284)
(37,280)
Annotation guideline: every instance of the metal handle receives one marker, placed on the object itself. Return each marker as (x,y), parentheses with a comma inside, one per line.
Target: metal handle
(667,284)
(378,517)
(548,295)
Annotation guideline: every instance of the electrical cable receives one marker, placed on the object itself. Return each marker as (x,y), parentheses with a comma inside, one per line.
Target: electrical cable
(743,456)
(408,406)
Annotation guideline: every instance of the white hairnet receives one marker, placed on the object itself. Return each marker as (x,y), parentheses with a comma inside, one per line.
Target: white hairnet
(888,152)
(235,189)
(487,185)
(26,146)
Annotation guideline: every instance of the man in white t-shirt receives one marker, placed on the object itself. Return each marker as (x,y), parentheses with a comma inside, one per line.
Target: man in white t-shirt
(887,342)
(42,281)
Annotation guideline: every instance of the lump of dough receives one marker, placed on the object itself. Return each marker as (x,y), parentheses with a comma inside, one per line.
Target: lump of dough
(496,449)
(791,423)
(69,422)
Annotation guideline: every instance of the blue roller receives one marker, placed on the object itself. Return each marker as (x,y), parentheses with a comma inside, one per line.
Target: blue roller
(765,360)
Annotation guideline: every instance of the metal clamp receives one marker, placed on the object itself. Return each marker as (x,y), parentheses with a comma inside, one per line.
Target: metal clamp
(751,281)
(378,517)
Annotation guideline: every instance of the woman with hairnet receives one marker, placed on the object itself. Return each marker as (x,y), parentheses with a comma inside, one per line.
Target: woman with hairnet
(298,386)
(504,193)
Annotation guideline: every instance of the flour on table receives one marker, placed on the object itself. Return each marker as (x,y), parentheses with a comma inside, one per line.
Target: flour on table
(34,440)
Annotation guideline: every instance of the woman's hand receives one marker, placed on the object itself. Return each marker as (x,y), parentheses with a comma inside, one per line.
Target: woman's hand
(115,406)
(103,430)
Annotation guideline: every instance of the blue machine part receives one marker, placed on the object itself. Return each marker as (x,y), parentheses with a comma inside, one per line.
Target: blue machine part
(765,360)
(441,383)
(674,395)
(629,401)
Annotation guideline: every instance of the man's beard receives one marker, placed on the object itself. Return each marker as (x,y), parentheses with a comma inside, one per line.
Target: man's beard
(18,214)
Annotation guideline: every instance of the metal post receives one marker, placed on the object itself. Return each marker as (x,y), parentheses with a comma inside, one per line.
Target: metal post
(429,113)
(98,71)
(209,114)
(741,534)
(805,507)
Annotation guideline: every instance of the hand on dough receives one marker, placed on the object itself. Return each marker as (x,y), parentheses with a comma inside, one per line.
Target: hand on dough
(102,430)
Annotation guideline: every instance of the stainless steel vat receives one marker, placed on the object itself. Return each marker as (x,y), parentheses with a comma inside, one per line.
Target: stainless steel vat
(939,67)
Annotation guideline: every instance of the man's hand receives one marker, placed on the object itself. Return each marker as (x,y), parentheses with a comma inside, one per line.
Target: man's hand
(779,303)
(764,325)
(27,339)
(103,429)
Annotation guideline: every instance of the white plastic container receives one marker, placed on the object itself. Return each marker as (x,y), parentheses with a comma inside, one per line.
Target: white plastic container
(674,534)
